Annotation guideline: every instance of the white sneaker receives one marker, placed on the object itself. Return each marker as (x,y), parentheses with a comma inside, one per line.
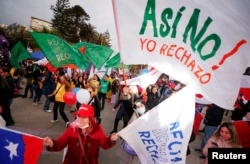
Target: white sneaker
(34,103)
(48,111)
(53,121)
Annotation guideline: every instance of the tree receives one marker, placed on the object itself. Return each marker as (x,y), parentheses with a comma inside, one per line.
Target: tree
(14,33)
(87,32)
(69,20)
(59,22)
(106,39)
(76,18)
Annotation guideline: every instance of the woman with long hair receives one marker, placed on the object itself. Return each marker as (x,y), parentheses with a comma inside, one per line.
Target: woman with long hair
(80,83)
(153,98)
(125,110)
(74,80)
(225,137)
(84,137)
(62,87)
(85,80)
(128,155)
(95,82)
(95,103)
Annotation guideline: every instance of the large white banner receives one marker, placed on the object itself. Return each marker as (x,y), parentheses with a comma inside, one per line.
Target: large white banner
(162,134)
(244,91)
(203,42)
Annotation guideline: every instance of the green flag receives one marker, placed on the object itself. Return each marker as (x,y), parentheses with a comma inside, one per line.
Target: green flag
(58,52)
(98,55)
(18,53)
(115,62)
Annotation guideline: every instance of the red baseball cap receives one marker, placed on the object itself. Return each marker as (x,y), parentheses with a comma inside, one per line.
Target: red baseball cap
(85,111)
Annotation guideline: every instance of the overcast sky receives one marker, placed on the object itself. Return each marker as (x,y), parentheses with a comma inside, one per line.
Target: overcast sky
(20,11)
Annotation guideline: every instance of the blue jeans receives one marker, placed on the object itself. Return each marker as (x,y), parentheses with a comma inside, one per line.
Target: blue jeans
(47,103)
(209,131)
(38,93)
(19,82)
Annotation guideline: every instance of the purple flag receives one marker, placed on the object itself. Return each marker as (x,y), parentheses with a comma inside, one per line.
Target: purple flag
(4,44)
(90,65)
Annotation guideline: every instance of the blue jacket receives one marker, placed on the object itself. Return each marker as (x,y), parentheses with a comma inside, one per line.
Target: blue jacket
(48,85)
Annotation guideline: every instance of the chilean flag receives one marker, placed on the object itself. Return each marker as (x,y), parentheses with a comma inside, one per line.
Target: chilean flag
(243,131)
(197,121)
(19,148)
(171,84)
(245,87)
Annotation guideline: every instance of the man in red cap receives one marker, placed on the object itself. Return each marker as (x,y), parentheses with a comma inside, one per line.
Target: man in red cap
(83,138)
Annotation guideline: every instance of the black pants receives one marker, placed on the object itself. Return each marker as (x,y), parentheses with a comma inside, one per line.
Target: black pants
(103,97)
(125,123)
(61,106)
(27,88)
(6,113)
(192,138)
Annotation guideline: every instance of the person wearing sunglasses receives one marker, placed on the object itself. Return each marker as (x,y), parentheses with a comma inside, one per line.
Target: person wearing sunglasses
(95,103)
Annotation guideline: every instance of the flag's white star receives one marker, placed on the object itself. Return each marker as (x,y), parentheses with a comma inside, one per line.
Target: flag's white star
(12,148)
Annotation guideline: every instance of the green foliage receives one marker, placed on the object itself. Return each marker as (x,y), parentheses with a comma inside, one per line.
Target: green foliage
(72,24)
(69,23)
(14,33)
(60,19)
(68,20)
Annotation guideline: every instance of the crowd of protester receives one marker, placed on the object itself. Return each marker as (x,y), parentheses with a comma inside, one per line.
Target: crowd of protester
(130,102)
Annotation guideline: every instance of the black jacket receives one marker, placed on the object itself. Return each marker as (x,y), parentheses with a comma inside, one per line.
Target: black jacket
(127,104)
(238,114)
(214,115)
(11,84)
(152,101)
(95,103)
(5,93)
(37,76)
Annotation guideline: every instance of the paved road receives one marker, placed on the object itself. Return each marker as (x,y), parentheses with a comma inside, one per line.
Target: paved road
(33,120)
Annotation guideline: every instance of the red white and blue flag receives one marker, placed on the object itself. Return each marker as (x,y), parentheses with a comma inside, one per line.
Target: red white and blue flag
(197,121)
(245,87)
(243,131)
(19,148)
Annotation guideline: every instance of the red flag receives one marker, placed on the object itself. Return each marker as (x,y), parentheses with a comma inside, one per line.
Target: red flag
(243,130)
(197,121)
(50,68)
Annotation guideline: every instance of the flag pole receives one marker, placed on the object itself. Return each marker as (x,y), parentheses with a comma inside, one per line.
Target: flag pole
(119,44)
(124,75)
